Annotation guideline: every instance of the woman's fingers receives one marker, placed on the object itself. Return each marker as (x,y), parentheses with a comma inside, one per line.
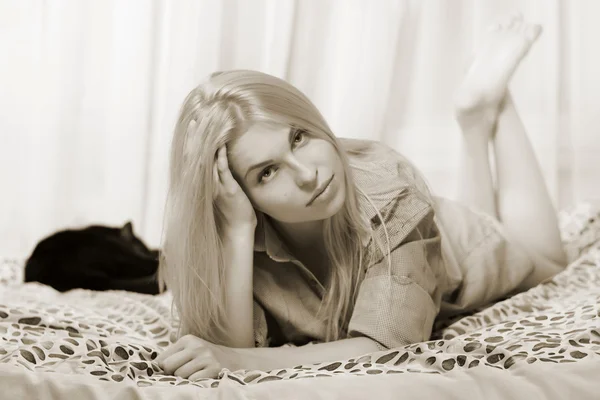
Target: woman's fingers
(222,161)
(176,361)
(168,352)
(198,364)
(224,171)
(210,372)
(217,181)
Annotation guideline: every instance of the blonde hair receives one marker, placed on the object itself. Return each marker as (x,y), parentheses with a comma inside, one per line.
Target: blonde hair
(191,264)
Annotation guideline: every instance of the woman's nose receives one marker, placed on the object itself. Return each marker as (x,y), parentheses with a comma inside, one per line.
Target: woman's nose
(306,175)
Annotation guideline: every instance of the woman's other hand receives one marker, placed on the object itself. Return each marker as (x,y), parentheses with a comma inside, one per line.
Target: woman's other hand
(194,358)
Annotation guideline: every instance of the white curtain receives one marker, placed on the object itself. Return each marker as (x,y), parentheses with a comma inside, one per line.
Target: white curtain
(89,92)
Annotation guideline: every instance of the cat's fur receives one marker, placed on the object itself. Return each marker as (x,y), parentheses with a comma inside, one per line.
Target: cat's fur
(97,258)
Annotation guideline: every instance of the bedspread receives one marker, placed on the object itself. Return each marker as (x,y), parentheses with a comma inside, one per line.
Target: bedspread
(115,336)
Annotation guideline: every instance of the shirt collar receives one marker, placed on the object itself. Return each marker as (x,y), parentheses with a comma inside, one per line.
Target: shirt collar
(267,239)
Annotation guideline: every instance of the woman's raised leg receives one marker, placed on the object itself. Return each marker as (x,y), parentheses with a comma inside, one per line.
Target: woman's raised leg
(523,203)
(487,116)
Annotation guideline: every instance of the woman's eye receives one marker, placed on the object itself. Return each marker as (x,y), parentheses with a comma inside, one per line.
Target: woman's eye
(299,138)
(263,174)
(300,134)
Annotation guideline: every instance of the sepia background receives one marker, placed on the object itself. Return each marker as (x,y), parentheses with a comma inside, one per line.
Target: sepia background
(89,92)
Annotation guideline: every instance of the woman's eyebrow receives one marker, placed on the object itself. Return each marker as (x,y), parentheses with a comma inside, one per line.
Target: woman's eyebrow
(270,161)
(260,164)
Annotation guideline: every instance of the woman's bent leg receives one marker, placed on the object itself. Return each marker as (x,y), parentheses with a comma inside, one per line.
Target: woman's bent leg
(524,205)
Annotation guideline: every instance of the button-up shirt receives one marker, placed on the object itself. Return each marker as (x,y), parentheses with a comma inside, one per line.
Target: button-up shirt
(436,247)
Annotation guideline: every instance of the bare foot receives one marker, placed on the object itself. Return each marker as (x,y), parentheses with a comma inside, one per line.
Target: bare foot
(481,92)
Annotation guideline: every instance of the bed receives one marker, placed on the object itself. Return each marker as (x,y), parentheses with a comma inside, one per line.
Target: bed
(101,345)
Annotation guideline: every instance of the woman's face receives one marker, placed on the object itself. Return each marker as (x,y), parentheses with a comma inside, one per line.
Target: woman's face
(280,170)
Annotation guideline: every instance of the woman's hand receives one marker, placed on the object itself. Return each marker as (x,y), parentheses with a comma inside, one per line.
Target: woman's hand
(194,358)
(233,204)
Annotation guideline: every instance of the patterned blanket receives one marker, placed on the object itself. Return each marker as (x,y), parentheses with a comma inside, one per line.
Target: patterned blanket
(115,336)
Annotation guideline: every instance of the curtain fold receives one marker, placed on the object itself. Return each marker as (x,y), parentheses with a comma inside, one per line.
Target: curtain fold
(89,92)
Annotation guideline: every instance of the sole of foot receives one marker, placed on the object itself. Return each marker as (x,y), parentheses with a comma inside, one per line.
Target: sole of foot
(480,94)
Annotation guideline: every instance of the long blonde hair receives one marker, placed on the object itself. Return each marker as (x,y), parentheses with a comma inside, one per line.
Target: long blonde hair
(191,265)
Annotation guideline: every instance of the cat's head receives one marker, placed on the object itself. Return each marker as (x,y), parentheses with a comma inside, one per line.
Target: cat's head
(126,232)
(126,236)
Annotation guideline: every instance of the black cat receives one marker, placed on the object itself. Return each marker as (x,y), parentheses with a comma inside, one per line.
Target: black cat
(96,258)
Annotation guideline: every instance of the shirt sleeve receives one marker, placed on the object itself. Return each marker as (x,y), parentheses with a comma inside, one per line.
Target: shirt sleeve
(398,307)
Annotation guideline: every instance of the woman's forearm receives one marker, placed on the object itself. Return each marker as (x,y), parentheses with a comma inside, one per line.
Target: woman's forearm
(239,258)
(270,358)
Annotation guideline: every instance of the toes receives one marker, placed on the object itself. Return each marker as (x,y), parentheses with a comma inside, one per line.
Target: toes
(514,20)
(517,16)
(514,23)
(494,27)
(507,22)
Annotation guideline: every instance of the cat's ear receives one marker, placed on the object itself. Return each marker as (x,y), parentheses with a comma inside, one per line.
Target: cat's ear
(127,230)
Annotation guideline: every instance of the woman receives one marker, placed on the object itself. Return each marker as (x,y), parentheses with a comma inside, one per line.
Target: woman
(278,232)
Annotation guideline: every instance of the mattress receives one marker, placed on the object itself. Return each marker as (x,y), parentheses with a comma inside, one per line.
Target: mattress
(102,343)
